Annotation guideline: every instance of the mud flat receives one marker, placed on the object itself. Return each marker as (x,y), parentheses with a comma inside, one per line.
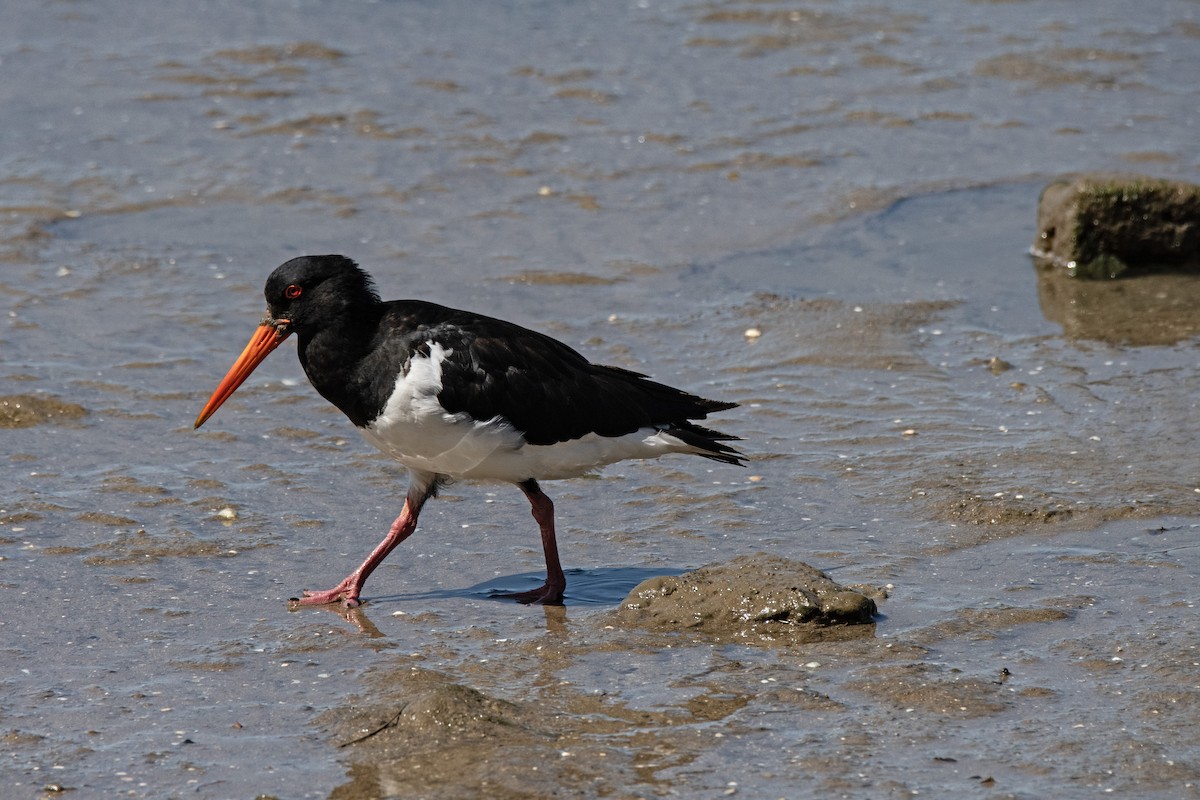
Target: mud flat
(646,181)
(424,732)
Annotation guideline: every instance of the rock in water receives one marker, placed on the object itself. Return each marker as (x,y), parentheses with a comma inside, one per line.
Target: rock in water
(752,598)
(1107,226)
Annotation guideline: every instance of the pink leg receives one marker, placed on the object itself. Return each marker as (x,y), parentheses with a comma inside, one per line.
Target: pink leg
(349,589)
(551,592)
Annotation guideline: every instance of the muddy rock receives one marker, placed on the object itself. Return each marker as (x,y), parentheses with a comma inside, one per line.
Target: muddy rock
(1107,226)
(760,598)
(27,410)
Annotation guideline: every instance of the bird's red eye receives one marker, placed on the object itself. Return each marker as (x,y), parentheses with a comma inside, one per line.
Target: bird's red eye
(292,292)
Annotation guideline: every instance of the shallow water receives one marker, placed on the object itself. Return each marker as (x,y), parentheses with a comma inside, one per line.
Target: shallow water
(647,181)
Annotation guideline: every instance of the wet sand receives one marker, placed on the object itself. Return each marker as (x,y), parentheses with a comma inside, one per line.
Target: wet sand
(1002,460)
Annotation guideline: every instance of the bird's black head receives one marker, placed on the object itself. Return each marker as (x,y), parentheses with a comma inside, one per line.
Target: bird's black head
(310,291)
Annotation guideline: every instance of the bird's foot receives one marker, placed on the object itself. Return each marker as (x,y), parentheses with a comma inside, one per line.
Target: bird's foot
(345,592)
(546,595)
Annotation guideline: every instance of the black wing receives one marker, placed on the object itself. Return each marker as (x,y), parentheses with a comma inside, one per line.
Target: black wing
(544,388)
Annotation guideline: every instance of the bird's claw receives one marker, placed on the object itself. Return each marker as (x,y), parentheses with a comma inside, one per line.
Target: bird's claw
(344,593)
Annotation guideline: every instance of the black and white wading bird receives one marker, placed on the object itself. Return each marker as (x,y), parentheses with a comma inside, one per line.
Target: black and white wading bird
(452,394)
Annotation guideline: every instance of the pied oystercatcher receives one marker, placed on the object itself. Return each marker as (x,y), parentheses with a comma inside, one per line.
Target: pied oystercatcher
(453,394)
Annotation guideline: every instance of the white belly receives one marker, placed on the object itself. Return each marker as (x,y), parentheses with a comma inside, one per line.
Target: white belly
(464,448)
(415,430)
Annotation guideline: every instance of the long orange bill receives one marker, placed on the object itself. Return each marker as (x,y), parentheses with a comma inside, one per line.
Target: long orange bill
(266,338)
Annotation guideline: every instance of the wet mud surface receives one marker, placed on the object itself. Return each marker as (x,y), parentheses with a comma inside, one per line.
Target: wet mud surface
(820,212)
(26,410)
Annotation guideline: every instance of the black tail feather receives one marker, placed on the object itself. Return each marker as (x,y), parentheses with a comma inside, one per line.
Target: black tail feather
(709,441)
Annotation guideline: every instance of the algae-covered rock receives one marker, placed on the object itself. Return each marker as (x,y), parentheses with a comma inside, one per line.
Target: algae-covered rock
(751,598)
(1108,226)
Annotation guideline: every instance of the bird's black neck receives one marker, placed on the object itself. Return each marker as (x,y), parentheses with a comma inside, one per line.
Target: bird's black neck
(332,355)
